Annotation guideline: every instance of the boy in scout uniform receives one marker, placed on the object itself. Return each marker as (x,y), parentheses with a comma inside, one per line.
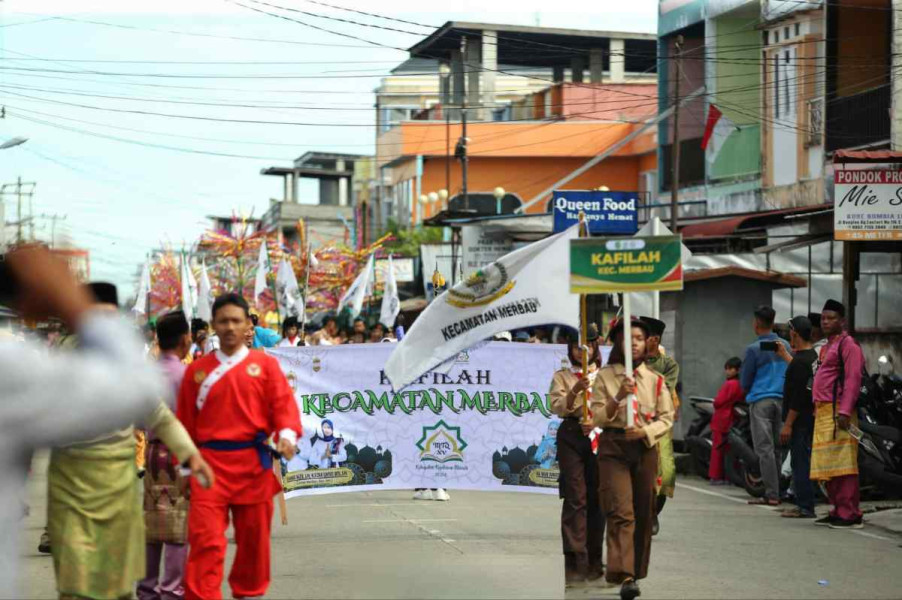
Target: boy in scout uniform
(627,457)
(666,365)
(582,524)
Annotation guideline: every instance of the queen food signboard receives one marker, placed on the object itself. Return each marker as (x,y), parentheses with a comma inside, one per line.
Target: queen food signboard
(607,213)
(636,264)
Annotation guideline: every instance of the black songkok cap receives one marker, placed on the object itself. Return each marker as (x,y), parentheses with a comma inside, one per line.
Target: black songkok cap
(618,327)
(104,293)
(835,306)
(815,319)
(655,327)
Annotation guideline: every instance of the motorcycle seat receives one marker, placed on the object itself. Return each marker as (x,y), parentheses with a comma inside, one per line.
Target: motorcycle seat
(882,431)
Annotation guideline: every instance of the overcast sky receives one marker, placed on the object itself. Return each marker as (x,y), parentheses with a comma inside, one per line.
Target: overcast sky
(124,196)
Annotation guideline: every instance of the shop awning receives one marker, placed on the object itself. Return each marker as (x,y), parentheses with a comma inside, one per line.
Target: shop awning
(733,225)
(866,156)
(780,280)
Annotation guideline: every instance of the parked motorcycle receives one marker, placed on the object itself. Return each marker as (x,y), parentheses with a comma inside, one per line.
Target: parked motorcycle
(698,436)
(879,431)
(742,466)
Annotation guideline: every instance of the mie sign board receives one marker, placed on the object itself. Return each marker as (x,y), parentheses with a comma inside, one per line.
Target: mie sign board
(867,204)
(607,213)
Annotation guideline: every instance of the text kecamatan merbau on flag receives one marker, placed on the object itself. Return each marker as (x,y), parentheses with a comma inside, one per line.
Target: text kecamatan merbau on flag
(528,287)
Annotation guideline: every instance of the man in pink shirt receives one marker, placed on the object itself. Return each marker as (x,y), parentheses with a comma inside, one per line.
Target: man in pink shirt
(837,382)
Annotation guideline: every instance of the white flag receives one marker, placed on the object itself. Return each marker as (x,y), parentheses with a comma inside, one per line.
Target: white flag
(356,293)
(528,287)
(204,308)
(312,261)
(288,295)
(143,290)
(262,268)
(189,289)
(391,304)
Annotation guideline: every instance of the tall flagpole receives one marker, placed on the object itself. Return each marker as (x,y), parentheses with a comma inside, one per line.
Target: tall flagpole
(306,292)
(584,327)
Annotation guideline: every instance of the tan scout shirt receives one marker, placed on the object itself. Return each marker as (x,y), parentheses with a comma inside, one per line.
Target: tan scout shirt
(561,384)
(655,416)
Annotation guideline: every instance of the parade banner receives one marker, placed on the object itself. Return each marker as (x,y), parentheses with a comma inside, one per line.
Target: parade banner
(867,204)
(481,423)
(607,213)
(605,265)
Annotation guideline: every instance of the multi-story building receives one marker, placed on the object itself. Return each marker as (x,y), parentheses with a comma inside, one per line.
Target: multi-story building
(539,103)
(796,82)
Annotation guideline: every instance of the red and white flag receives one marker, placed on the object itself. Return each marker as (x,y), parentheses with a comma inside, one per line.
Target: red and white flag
(717,129)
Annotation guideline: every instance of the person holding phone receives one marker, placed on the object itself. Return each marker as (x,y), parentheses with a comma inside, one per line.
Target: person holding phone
(762,377)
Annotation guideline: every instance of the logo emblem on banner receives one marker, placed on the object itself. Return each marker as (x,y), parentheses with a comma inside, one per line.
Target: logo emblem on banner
(441,443)
(482,287)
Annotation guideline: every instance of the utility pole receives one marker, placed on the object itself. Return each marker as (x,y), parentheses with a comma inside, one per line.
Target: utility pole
(675,149)
(462,144)
(20,221)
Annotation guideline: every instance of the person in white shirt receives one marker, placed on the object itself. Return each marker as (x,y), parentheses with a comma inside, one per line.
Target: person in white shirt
(290,337)
(53,400)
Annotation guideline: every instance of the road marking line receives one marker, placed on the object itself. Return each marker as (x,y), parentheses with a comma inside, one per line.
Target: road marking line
(362,504)
(404,520)
(872,535)
(772,508)
(724,496)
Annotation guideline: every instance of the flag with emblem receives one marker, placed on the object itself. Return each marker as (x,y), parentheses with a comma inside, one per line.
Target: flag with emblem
(204,309)
(354,296)
(528,287)
(189,288)
(143,290)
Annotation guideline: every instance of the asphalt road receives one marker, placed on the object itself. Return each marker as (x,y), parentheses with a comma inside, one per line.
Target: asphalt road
(507,545)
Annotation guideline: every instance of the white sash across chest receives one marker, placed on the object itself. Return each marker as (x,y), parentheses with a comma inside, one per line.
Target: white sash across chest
(226,364)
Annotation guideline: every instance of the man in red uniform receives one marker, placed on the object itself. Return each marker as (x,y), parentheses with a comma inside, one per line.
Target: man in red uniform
(231,401)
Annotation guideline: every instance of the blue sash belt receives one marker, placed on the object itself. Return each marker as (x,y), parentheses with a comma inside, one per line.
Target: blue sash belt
(265,452)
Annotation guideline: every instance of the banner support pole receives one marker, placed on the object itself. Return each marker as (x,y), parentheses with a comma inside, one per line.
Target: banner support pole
(584,328)
(627,320)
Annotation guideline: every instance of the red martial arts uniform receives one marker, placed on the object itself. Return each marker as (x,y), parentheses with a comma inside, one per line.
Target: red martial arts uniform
(226,402)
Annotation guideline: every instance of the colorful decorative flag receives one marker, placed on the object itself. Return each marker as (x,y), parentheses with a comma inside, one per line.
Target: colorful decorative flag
(528,287)
(391,303)
(356,293)
(204,307)
(143,290)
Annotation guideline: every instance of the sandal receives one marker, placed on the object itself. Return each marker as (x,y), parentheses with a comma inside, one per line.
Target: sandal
(764,502)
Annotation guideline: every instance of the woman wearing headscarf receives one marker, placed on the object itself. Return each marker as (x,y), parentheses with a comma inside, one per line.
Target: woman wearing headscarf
(546,453)
(326,450)
(582,523)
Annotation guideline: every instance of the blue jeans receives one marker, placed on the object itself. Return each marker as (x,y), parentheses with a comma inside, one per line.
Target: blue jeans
(800,459)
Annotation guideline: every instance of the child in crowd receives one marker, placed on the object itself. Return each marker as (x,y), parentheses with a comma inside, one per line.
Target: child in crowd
(729,394)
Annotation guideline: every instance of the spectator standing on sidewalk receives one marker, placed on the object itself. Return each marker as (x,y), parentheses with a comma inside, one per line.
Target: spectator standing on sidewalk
(762,376)
(798,414)
(728,396)
(837,383)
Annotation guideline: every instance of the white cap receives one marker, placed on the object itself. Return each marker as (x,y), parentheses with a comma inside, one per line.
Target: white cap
(504,336)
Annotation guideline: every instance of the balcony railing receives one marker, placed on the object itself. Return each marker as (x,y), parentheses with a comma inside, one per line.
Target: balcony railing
(859,120)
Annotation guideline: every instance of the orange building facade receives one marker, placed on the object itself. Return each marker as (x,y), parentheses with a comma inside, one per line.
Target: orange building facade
(523,158)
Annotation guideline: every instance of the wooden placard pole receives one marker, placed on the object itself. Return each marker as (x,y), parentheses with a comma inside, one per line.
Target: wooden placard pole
(584,328)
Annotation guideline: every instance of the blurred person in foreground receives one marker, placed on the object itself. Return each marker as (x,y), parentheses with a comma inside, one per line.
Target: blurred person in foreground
(61,398)
(93,508)
(582,522)
(165,486)
(835,391)
(232,402)
(627,457)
